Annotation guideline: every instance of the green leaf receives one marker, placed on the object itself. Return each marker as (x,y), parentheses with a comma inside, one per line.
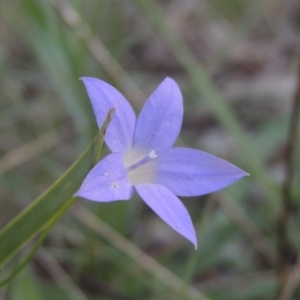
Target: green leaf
(42,211)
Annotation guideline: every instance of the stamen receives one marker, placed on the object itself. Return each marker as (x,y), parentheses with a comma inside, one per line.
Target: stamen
(133,156)
(139,167)
(145,173)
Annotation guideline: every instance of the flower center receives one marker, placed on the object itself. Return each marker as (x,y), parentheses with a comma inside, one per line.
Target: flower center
(140,166)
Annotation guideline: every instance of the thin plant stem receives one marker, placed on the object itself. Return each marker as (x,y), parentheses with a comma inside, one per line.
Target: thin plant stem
(98,50)
(137,255)
(59,275)
(284,246)
(292,282)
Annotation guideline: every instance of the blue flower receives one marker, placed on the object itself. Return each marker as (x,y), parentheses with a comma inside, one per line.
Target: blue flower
(143,157)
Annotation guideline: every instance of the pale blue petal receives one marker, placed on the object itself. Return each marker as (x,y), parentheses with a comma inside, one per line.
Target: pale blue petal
(167,206)
(190,172)
(103,97)
(107,181)
(160,120)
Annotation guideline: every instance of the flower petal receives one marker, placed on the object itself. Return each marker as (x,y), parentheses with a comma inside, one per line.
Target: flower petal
(160,120)
(121,128)
(190,172)
(166,205)
(107,181)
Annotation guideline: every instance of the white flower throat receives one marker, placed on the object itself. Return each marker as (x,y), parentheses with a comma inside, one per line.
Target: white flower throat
(140,167)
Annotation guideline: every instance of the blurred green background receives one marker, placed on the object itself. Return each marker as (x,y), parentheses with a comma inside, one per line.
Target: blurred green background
(236,64)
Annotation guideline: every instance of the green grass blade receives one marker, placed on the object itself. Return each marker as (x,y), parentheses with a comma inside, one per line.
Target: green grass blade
(37,215)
